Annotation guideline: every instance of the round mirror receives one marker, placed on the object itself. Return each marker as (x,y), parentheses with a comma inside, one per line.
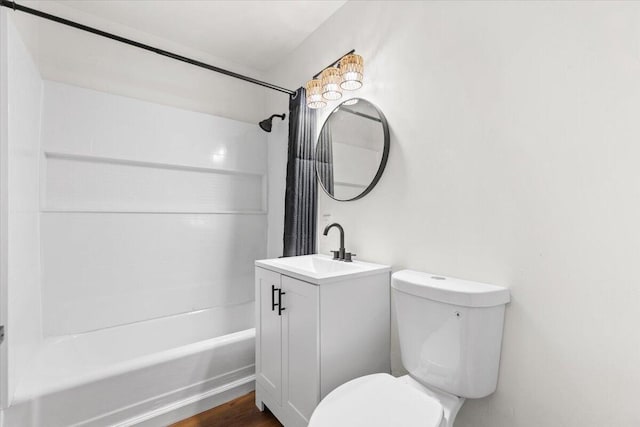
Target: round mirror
(352,150)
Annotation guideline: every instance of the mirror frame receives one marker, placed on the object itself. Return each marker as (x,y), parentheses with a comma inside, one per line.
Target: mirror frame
(383,160)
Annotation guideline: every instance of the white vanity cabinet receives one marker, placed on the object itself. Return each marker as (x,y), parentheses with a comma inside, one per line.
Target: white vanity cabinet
(313,337)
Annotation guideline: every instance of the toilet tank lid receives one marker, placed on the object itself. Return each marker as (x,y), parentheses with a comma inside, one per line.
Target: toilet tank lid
(449,290)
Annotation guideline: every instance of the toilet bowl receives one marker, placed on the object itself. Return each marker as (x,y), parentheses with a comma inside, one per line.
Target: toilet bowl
(450,333)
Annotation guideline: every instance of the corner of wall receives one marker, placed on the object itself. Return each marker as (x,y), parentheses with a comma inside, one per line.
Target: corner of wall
(21,208)
(4,389)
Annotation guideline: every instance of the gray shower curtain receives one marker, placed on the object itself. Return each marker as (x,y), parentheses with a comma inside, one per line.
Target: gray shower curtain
(300,208)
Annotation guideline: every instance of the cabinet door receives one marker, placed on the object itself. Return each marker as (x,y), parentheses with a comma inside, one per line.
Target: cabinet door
(268,334)
(300,350)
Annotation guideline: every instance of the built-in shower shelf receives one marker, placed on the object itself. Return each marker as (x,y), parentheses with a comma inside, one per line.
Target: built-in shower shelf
(153,212)
(144,163)
(82,183)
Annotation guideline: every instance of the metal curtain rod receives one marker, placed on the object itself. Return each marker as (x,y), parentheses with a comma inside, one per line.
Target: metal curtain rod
(16,7)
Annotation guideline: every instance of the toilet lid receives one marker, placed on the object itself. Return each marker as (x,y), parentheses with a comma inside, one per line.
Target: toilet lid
(377,400)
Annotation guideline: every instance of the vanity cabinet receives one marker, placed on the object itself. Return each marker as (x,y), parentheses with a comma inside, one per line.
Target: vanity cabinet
(311,338)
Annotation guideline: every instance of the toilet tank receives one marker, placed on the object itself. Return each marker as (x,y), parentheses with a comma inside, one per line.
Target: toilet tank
(450,331)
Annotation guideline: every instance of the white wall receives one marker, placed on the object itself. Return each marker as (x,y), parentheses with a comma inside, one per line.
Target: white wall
(514,147)
(148,210)
(24,96)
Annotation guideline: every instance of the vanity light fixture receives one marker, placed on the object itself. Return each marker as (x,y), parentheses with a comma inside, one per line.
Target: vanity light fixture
(351,70)
(346,73)
(314,94)
(331,79)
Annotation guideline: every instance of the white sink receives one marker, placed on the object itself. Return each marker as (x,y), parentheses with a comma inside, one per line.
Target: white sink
(319,269)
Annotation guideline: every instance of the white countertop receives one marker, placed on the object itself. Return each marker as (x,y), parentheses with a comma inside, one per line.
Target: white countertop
(319,269)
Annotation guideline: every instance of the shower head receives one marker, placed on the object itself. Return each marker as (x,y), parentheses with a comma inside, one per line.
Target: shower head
(265,125)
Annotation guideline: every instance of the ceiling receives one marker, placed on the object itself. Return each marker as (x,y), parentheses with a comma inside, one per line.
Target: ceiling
(255,34)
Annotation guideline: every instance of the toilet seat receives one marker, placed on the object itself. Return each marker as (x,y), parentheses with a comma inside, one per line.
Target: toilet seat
(377,400)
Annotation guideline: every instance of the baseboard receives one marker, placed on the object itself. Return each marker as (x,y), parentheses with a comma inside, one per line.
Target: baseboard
(193,405)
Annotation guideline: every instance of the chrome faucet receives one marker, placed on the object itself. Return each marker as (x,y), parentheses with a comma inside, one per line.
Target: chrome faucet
(340,254)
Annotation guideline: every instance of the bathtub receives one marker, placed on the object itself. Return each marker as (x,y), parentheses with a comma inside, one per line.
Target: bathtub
(148,373)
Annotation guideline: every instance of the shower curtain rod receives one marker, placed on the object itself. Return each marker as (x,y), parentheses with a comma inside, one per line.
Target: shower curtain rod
(16,7)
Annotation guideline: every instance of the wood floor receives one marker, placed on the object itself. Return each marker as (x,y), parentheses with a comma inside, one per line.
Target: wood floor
(241,412)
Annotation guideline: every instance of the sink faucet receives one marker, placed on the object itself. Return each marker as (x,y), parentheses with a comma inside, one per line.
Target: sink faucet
(340,254)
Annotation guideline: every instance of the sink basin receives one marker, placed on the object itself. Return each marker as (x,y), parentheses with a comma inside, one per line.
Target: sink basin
(319,269)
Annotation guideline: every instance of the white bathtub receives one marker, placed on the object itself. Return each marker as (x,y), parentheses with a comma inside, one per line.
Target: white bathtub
(147,373)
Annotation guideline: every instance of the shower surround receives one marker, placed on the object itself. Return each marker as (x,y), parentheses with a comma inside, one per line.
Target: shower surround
(133,229)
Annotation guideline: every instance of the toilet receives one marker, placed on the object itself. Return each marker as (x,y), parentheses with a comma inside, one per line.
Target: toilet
(450,333)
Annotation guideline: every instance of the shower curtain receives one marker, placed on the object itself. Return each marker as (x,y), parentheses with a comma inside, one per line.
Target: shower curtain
(300,209)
